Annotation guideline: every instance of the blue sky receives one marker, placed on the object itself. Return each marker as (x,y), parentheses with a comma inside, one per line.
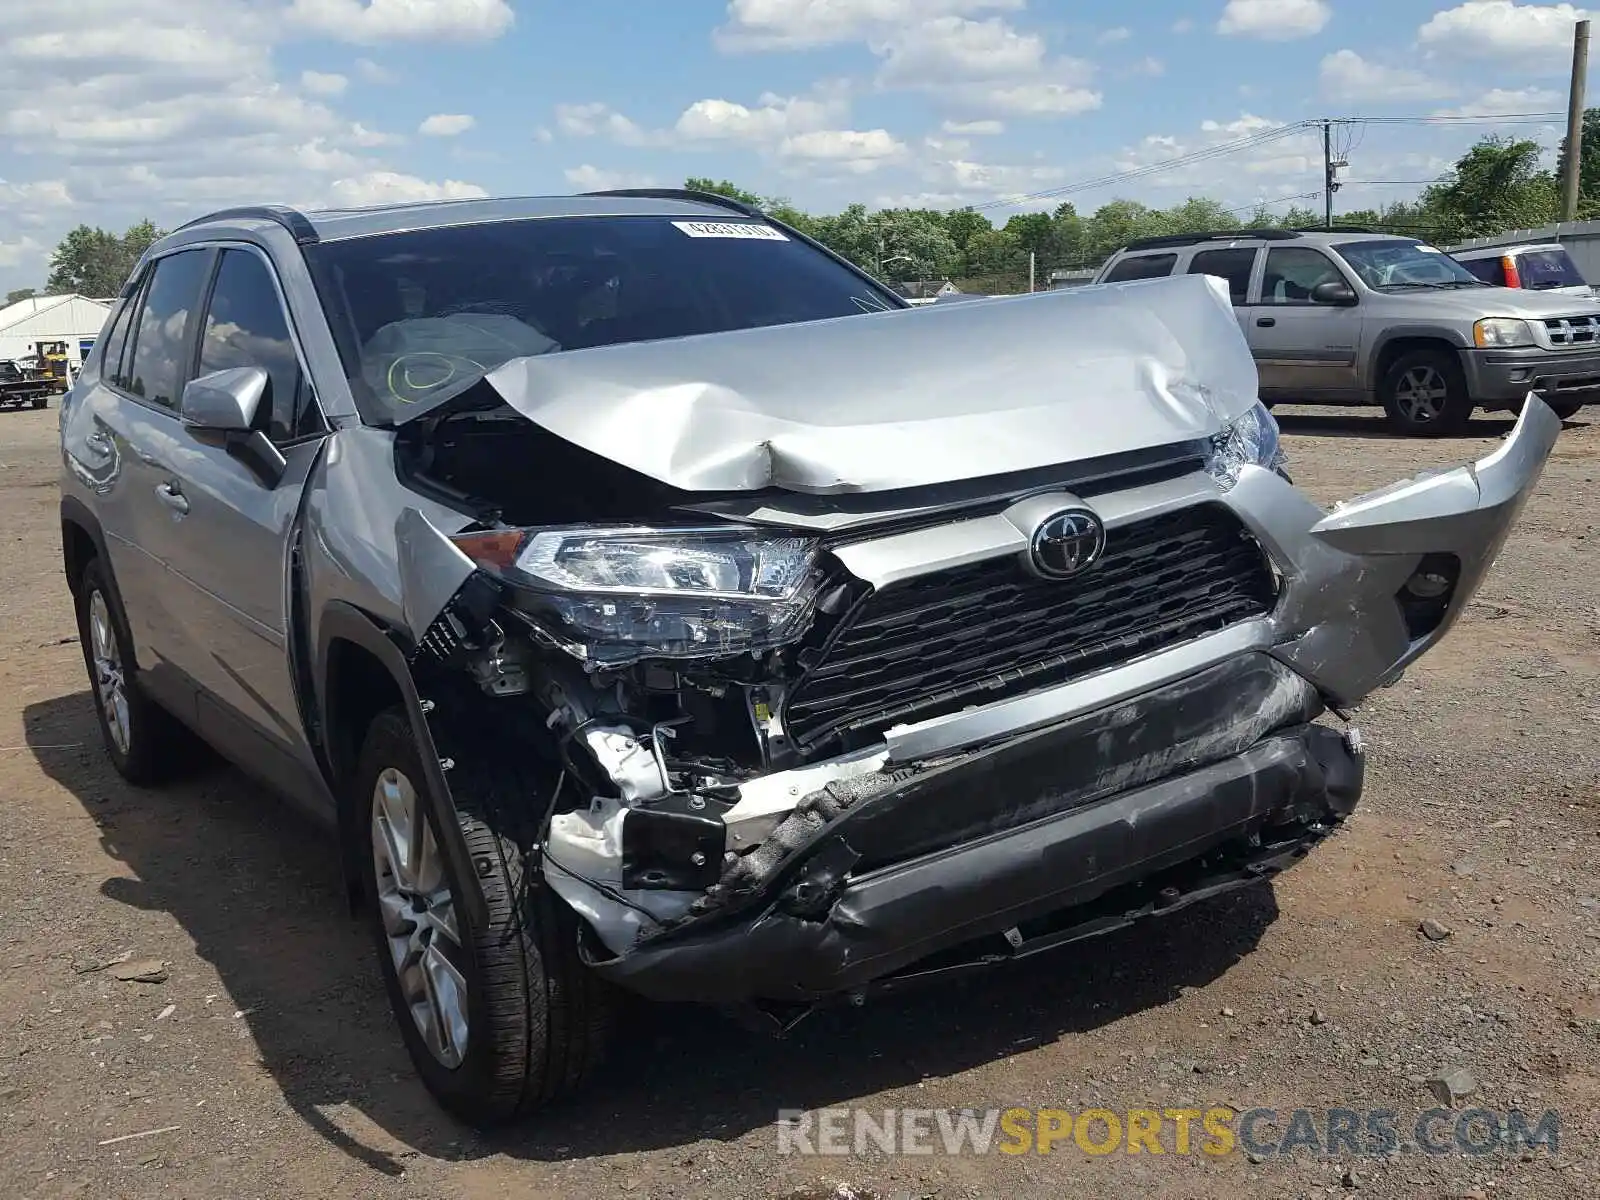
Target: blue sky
(112,110)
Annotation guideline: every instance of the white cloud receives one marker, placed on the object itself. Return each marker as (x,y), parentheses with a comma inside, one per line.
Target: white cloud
(372,72)
(1345,75)
(771,119)
(1149,66)
(953,48)
(974,128)
(601,120)
(320,84)
(403,20)
(793,24)
(362,136)
(1274,20)
(858,150)
(1039,99)
(446,125)
(1183,25)
(1500,102)
(390,187)
(587,178)
(1538,34)
(1110,36)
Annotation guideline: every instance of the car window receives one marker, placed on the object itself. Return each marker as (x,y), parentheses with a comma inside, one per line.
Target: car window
(1545,269)
(1291,273)
(1232,265)
(116,340)
(1142,266)
(422,315)
(1392,264)
(246,326)
(161,330)
(1490,270)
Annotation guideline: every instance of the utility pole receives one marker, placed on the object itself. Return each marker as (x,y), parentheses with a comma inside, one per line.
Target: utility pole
(1330,168)
(1032,259)
(1571,168)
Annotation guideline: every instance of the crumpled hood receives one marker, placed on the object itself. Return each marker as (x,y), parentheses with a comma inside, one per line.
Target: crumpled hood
(904,398)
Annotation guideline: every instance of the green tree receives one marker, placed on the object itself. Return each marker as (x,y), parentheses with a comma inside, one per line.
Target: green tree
(722,187)
(17,294)
(1498,185)
(963,225)
(1588,166)
(97,262)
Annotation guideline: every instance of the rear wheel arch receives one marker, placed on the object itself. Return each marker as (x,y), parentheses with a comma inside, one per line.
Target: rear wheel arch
(82,540)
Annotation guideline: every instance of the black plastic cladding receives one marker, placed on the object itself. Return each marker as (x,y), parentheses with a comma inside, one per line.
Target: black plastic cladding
(982,633)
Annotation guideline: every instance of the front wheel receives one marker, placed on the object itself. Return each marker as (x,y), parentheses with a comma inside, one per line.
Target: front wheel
(1566,411)
(40,401)
(497,1020)
(1425,394)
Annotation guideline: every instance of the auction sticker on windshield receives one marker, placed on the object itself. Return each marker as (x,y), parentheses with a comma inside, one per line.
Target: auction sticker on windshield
(731,229)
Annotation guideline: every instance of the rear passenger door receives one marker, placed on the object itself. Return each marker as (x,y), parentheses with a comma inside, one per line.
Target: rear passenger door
(1233,264)
(127,433)
(227,547)
(1303,350)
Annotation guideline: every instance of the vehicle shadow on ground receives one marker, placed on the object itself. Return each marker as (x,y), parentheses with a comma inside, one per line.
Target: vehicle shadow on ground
(258,889)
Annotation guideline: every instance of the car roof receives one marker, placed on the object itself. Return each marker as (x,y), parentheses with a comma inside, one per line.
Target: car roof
(334,224)
(1305,237)
(1500,251)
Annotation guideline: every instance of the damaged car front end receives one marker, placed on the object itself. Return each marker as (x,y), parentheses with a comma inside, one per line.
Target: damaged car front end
(917,660)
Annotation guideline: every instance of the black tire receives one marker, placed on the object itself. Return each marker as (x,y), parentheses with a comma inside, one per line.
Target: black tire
(1425,394)
(40,401)
(1564,409)
(537,1018)
(157,746)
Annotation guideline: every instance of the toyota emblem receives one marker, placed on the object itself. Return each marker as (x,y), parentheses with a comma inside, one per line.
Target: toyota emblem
(1066,543)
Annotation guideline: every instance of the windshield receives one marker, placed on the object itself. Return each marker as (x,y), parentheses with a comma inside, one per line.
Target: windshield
(1395,263)
(426,314)
(1542,270)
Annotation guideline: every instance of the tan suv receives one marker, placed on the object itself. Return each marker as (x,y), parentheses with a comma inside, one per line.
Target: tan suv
(1356,317)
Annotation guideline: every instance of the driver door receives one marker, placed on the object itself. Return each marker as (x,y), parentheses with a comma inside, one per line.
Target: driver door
(227,545)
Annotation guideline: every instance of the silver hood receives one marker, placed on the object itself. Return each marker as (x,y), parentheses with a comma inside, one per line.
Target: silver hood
(904,398)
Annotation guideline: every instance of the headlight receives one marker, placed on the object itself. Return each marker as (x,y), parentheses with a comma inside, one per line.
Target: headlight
(622,594)
(1501,331)
(1248,440)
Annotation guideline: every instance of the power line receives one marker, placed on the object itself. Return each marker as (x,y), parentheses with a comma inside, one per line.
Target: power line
(1253,141)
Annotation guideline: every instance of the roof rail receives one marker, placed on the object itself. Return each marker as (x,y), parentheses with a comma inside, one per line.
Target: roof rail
(1221,235)
(1384,231)
(291,219)
(651,193)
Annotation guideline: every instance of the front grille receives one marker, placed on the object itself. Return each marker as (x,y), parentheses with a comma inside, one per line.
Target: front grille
(1573,331)
(973,635)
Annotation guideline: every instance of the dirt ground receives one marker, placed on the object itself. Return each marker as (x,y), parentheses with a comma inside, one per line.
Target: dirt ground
(268,1063)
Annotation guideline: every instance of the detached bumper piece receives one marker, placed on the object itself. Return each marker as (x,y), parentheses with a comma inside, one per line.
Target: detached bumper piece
(1080,852)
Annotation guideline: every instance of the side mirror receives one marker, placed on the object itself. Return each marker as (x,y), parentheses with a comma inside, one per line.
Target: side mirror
(1335,292)
(225,401)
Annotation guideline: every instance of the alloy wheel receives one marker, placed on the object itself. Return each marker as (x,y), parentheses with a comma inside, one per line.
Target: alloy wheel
(110,682)
(1421,394)
(418,912)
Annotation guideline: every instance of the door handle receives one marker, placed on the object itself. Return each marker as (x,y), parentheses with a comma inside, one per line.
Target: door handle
(172,496)
(1266,322)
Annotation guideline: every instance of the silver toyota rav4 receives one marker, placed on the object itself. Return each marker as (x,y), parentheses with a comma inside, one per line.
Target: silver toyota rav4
(649,600)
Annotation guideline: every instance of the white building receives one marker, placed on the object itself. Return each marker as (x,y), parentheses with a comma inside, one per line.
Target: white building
(72,319)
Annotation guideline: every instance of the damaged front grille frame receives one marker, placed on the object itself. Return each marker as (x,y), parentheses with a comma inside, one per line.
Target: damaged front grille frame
(1192,571)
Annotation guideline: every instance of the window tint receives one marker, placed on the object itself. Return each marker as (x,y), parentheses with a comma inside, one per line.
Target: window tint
(116,340)
(1142,266)
(1545,269)
(1232,265)
(1490,270)
(421,316)
(1292,271)
(246,327)
(161,330)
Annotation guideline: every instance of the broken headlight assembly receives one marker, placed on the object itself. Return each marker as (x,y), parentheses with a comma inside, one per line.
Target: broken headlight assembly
(618,595)
(1246,441)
